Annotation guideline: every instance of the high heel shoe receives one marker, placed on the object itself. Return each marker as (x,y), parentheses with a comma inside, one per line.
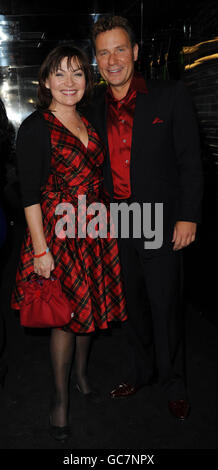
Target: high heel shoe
(59,433)
(92,397)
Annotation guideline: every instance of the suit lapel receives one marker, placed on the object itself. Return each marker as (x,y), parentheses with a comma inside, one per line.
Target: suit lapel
(141,122)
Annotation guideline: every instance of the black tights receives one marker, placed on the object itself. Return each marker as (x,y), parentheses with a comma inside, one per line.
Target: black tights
(62,346)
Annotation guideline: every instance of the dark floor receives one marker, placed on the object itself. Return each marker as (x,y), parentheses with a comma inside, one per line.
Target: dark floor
(139,422)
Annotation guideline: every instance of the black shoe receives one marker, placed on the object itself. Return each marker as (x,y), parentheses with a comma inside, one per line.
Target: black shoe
(92,397)
(123,390)
(59,433)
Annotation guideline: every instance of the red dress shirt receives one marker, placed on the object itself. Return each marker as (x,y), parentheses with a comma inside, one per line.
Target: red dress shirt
(119,126)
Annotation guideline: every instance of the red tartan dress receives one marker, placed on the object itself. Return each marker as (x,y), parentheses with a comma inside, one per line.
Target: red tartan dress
(88,268)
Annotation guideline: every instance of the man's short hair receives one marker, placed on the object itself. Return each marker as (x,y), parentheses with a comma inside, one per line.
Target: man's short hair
(107,23)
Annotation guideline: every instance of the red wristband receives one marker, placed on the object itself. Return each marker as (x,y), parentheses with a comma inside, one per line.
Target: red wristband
(41,254)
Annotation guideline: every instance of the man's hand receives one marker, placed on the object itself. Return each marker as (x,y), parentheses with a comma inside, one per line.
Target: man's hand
(184,234)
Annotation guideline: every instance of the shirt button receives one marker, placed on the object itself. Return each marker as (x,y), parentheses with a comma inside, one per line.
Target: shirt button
(127,161)
(124,141)
(123,121)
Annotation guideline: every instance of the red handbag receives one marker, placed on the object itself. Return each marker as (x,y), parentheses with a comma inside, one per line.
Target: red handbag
(44,304)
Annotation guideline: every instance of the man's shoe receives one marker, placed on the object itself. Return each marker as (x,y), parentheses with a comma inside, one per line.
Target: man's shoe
(180,409)
(124,390)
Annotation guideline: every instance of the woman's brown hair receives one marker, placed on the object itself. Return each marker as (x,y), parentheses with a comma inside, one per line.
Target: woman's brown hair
(52,63)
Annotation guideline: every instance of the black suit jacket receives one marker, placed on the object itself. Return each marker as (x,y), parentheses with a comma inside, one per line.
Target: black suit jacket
(165,163)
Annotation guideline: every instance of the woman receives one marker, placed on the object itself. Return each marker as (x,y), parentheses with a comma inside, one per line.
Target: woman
(60,157)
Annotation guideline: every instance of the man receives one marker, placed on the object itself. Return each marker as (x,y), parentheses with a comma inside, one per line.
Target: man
(153,156)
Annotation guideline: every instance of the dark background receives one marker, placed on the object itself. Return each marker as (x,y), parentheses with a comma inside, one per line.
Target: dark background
(178,40)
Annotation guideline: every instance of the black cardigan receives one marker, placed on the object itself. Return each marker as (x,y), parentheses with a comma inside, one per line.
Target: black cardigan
(33,149)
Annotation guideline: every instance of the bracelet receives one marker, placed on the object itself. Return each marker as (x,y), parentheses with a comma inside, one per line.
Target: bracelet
(41,254)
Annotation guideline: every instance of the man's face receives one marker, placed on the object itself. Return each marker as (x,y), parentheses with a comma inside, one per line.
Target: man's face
(115,57)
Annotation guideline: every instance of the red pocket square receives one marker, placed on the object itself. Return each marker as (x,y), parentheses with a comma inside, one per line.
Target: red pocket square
(157,120)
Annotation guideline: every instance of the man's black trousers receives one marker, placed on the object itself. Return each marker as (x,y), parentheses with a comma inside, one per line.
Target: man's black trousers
(155,326)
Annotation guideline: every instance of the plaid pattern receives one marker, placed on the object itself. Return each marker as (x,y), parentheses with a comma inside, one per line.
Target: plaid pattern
(88,268)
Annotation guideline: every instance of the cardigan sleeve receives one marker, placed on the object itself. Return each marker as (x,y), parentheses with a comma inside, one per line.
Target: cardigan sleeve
(33,152)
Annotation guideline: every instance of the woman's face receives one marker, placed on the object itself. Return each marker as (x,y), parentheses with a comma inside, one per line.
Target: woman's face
(67,85)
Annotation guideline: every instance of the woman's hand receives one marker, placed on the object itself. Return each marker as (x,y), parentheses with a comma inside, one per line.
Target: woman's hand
(44,265)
